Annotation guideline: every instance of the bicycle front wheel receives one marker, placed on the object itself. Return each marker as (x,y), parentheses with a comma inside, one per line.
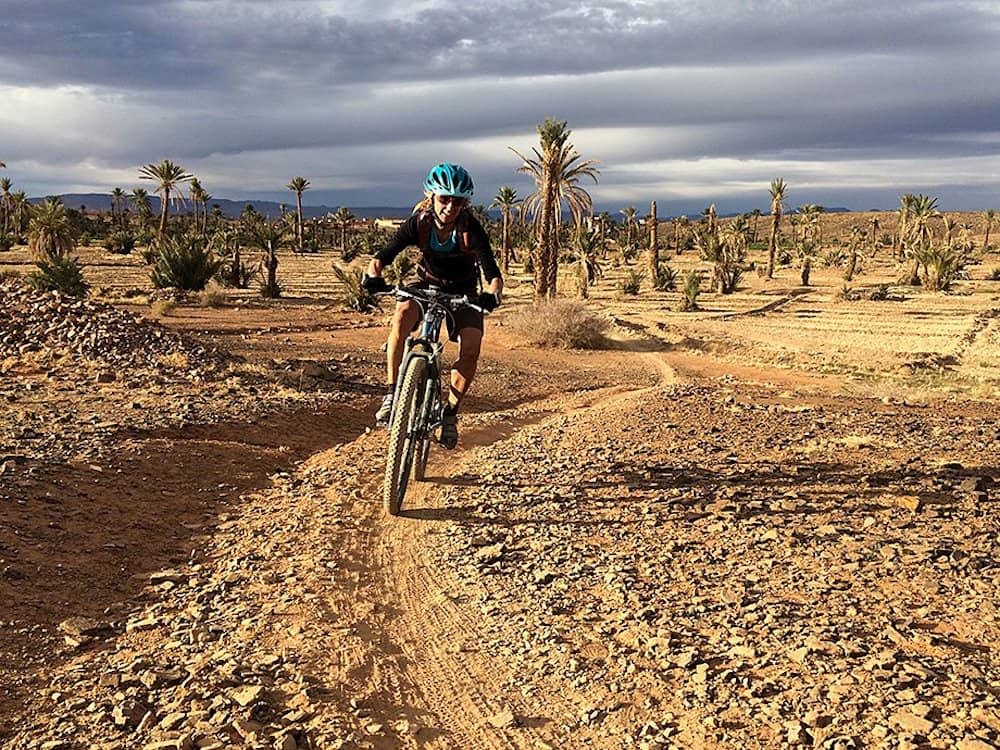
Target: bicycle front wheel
(402,434)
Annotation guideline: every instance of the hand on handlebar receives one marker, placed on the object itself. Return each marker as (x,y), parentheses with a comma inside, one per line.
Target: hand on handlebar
(488,301)
(375,285)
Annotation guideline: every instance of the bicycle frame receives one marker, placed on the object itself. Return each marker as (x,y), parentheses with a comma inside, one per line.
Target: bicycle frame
(435,307)
(418,405)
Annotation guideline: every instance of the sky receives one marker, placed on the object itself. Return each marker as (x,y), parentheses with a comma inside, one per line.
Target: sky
(851,102)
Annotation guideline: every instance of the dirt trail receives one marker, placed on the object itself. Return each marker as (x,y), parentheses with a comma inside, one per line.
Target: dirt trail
(628,549)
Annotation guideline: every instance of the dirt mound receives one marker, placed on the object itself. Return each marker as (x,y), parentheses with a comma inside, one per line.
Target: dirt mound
(62,326)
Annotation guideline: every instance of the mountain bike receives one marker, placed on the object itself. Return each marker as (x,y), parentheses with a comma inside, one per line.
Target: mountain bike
(417,405)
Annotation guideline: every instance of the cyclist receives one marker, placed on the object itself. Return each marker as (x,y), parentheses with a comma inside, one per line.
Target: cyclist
(454,249)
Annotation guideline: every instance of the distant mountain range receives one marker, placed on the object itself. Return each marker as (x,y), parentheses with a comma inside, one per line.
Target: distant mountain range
(232,209)
(272,209)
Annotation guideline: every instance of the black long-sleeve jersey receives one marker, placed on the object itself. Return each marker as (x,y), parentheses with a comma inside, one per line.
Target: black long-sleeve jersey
(456,268)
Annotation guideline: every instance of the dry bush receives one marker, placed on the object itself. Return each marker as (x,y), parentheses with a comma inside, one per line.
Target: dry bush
(213,296)
(163,307)
(560,324)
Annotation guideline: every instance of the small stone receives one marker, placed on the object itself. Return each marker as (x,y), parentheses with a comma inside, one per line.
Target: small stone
(503,719)
(248,695)
(911,722)
(971,743)
(796,733)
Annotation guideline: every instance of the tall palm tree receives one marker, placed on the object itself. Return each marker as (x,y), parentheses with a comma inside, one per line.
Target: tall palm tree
(199,197)
(858,238)
(168,177)
(557,169)
(50,235)
(654,250)
(118,198)
(142,205)
(711,215)
(680,229)
(779,191)
(756,214)
(875,225)
(922,209)
(629,213)
(19,211)
(5,203)
(506,200)
(989,216)
(950,224)
(343,218)
(902,230)
(298,185)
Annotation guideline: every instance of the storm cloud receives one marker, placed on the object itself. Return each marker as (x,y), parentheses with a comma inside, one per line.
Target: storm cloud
(685,103)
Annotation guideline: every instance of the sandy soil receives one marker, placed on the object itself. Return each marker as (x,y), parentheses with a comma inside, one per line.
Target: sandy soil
(772,523)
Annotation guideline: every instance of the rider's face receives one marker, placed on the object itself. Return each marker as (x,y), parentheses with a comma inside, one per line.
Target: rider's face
(448,207)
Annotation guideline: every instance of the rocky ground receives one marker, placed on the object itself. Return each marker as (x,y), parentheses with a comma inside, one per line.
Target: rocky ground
(637,548)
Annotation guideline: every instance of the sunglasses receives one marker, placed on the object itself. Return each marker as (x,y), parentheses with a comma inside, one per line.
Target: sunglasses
(450,199)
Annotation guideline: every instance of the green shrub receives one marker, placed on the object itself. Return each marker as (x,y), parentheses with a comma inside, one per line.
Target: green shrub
(120,242)
(184,262)
(666,278)
(353,295)
(6,242)
(560,324)
(834,257)
(630,283)
(59,273)
(879,293)
(943,265)
(690,291)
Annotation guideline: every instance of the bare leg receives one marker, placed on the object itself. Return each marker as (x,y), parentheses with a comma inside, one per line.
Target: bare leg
(406,316)
(470,342)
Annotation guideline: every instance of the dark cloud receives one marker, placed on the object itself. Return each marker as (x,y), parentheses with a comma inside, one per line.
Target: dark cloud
(364,96)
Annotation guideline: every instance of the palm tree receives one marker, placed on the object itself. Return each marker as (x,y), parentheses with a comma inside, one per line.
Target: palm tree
(712,217)
(199,197)
(343,218)
(950,224)
(168,177)
(50,236)
(875,225)
(778,192)
(118,198)
(905,204)
(19,211)
(142,205)
(654,251)
(921,211)
(989,216)
(298,185)
(269,237)
(506,199)
(756,214)
(629,213)
(858,238)
(5,203)
(557,169)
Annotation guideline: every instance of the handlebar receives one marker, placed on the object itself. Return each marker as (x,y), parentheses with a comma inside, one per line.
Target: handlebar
(453,301)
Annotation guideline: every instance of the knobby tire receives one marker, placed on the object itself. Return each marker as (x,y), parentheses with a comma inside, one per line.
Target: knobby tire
(399,457)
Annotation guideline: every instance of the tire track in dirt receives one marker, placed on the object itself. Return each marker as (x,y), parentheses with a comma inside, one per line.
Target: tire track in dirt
(438,632)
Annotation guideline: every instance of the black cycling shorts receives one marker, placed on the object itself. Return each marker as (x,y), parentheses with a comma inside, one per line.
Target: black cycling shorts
(463,317)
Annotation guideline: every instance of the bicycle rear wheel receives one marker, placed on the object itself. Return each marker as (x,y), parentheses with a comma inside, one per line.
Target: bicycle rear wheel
(402,437)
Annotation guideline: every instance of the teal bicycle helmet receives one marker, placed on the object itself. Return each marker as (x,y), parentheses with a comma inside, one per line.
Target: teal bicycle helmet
(449,179)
